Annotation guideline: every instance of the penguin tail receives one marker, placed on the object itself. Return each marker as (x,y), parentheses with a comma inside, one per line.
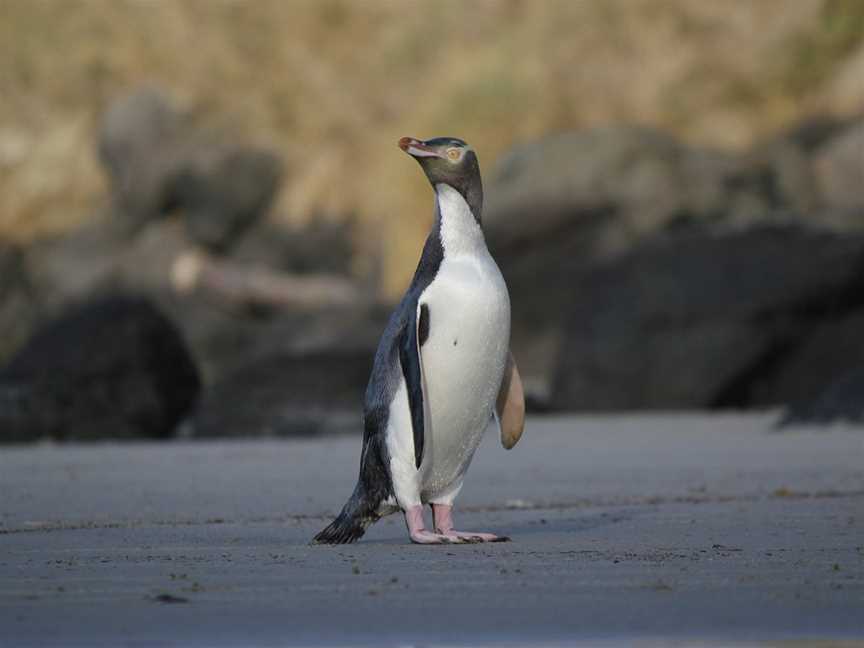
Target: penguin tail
(350,525)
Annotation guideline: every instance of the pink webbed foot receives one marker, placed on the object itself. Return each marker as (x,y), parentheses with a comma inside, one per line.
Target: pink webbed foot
(427,537)
(443,514)
(475,536)
(417,530)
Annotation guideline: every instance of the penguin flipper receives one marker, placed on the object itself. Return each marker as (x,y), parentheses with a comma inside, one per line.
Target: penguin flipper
(413,335)
(510,406)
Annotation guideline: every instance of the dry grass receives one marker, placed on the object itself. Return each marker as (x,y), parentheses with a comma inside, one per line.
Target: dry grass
(332,84)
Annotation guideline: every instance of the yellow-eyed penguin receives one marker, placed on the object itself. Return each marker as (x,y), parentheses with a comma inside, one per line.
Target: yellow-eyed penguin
(443,367)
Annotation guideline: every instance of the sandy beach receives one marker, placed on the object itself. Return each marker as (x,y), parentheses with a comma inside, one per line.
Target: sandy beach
(653,528)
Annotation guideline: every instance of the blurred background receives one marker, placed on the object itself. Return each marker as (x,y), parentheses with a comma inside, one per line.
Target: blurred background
(205,219)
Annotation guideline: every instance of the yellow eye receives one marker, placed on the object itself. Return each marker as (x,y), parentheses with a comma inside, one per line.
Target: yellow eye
(453,154)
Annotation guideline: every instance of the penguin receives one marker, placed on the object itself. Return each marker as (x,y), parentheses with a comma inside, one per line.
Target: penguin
(442,370)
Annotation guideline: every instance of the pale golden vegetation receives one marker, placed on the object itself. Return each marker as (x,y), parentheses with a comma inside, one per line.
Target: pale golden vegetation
(332,84)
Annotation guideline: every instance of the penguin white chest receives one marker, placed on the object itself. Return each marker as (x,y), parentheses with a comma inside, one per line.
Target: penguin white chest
(464,356)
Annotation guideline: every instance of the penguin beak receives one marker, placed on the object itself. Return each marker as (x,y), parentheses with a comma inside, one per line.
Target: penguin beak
(417,148)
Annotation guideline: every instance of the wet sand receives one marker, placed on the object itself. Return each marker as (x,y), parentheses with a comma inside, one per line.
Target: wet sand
(653,528)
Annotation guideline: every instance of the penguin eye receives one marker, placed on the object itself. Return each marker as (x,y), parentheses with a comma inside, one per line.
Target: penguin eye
(453,154)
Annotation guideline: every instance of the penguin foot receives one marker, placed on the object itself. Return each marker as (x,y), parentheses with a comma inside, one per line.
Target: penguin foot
(418,533)
(474,537)
(427,537)
(443,514)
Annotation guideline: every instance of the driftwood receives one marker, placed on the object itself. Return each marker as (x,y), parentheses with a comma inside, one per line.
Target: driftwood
(248,285)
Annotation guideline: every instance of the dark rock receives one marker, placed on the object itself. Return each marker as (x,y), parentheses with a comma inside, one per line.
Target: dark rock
(138,146)
(19,309)
(788,156)
(832,348)
(558,206)
(320,246)
(788,177)
(543,189)
(100,257)
(111,368)
(348,329)
(841,401)
(223,193)
(698,317)
(298,374)
(97,260)
(288,395)
(226,340)
(158,162)
(839,169)
(68,267)
(552,187)
(813,132)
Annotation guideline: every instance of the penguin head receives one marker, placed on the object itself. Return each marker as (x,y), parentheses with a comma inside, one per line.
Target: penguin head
(450,161)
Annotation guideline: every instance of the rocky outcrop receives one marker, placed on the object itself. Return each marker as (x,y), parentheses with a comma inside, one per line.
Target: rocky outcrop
(137,147)
(648,179)
(560,207)
(19,310)
(643,272)
(832,348)
(305,394)
(300,374)
(842,401)
(707,317)
(111,368)
(321,246)
(101,258)
(223,192)
(157,163)
(838,167)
